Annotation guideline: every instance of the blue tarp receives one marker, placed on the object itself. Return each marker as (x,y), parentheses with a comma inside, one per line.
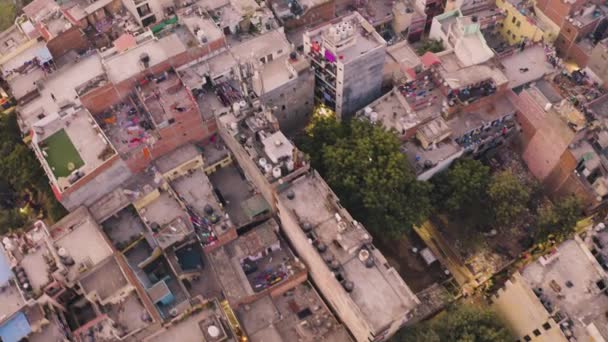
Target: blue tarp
(15,328)
(44,54)
(5,268)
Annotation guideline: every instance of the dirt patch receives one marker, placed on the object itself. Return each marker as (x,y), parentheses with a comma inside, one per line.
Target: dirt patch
(410,265)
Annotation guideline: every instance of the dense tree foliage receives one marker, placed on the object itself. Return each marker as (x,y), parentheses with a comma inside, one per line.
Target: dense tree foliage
(431,45)
(362,163)
(25,192)
(559,219)
(7,14)
(460,323)
(509,198)
(460,192)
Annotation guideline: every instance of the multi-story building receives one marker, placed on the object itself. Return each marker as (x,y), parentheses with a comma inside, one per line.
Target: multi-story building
(348,57)
(598,61)
(368,296)
(462,35)
(522,22)
(580,32)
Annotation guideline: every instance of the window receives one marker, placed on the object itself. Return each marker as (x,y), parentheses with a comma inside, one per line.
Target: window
(143,10)
(546,326)
(536,332)
(269,58)
(280,52)
(283,107)
(513,20)
(508,32)
(527,338)
(263,60)
(41,116)
(518,24)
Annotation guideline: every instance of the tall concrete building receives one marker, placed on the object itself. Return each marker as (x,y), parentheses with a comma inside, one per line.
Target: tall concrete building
(347,55)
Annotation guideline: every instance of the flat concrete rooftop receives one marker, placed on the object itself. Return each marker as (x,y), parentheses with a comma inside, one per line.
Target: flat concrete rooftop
(85,147)
(166,97)
(582,302)
(261,46)
(298,315)
(11,299)
(533,58)
(121,66)
(105,280)
(80,236)
(195,327)
(176,157)
(61,84)
(314,203)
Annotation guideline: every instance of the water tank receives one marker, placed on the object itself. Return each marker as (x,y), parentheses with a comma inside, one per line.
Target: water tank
(373,116)
(263,162)
(321,247)
(62,252)
(306,226)
(267,168)
(548,106)
(348,285)
(290,165)
(276,172)
(368,111)
(243,103)
(291,195)
(236,107)
(233,125)
(213,331)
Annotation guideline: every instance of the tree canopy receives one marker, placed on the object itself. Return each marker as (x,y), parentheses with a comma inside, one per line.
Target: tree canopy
(461,191)
(362,163)
(559,219)
(459,323)
(22,181)
(509,198)
(7,14)
(431,45)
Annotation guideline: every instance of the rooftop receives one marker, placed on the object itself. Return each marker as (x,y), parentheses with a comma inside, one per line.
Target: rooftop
(129,314)
(204,321)
(470,119)
(273,42)
(202,27)
(11,39)
(378,292)
(164,97)
(205,211)
(523,313)
(61,85)
(167,219)
(254,262)
(464,76)
(298,315)
(176,158)
(394,112)
(78,237)
(70,145)
(360,38)
(273,152)
(105,280)
(533,58)
(568,283)
(10,296)
(126,64)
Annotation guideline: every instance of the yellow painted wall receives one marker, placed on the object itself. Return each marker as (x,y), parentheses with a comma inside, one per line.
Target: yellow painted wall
(147,199)
(514,33)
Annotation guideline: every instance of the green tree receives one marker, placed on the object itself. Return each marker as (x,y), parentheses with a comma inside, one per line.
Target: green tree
(459,323)
(7,14)
(431,45)
(461,191)
(362,163)
(509,198)
(559,219)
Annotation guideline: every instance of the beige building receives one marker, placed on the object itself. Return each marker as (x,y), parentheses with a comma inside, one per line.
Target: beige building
(524,314)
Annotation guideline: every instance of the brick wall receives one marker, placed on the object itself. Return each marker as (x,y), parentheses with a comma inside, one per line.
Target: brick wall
(72,39)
